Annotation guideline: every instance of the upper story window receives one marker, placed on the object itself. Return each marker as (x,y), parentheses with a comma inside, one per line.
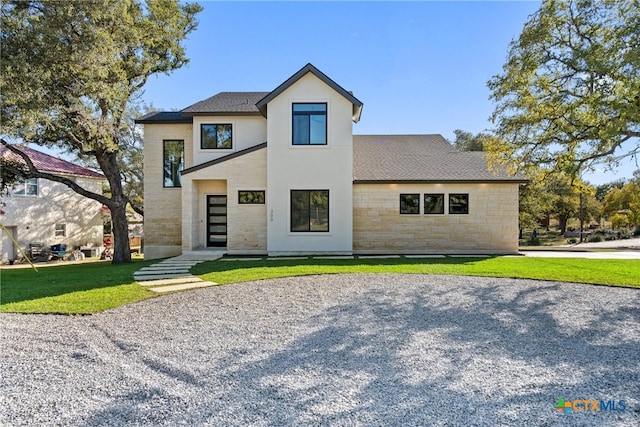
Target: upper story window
(173,162)
(28,187)
(216,136)
(309,124)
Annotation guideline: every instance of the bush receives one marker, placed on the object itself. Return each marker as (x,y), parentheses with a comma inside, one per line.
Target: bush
(534,241)
(610,237)
(637,231)
(595,238)
(572,241)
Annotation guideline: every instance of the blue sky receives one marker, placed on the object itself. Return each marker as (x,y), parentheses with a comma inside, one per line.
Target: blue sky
(418,67)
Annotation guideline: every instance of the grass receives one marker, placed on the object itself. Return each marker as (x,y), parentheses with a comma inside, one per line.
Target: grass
(593,271)
(71,288)
(93,287)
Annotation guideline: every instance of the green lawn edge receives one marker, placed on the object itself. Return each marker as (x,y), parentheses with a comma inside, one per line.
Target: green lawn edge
(89,288)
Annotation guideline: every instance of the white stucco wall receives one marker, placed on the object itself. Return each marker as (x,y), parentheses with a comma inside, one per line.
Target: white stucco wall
(33,219)
(327,167)
(163,206)
(246,131)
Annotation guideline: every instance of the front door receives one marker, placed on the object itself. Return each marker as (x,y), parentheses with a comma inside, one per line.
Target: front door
(217,221)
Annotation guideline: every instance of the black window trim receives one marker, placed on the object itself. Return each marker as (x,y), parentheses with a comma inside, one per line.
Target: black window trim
(459,195)
(409,213)
(164,154)
(264,197)
(424,202)
(328,211)
(326,122)
(216,147)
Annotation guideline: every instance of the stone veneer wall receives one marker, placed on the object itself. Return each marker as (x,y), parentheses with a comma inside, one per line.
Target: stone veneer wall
(490,227)
(162,206)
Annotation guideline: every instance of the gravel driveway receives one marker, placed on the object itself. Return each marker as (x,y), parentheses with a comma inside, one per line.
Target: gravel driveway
(332,350)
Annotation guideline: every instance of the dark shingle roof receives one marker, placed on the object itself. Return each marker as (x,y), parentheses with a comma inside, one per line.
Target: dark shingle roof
(163,117)
(418,158)
(227,103)
(46,163)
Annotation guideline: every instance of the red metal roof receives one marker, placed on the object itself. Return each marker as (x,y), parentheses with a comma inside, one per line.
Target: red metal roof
(46,163)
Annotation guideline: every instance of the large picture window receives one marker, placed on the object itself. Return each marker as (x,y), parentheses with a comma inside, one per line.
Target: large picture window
(410,203)
(434,204)
(173,162)
(310,124)
(458,203)
(215,136)
(309,210)
(28,187)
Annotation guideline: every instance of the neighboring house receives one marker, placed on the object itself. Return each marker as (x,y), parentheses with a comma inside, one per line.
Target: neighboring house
(48,212)
(281,173)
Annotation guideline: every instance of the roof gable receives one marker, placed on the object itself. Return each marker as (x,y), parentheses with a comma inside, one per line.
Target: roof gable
(309,68)
(46,163)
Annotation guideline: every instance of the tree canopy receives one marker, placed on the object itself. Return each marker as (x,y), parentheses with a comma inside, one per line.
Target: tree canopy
(569,93)
(69,71)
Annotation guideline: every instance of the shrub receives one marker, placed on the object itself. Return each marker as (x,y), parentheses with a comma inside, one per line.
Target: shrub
(572,241)
(637,231)
(610,237)
(595,238)
(534,241)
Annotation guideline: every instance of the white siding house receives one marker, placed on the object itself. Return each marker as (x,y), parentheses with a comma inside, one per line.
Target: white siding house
(48,212)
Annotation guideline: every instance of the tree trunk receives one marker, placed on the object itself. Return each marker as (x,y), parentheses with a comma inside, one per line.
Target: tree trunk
(117,204)
(562,223)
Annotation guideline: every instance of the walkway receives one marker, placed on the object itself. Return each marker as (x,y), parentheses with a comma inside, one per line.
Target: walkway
(172,274)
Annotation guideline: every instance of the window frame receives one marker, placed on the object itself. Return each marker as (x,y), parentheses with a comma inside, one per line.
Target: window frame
(60,230)
(264,197)
(417,212)
(324,113)
(291,208)
(424,201)
(217,147)
(164,160)
(24,188)
(453,210)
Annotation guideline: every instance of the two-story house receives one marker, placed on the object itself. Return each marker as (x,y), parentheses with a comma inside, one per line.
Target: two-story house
(48,212)
(281,173)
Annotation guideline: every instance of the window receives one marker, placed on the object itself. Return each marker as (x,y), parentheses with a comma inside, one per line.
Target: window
(458,203)
(28,187)
(309,210)
(410,203)
(215,136)
(310,124)
(61,230)
(434,203)
(173,162)
(251,197)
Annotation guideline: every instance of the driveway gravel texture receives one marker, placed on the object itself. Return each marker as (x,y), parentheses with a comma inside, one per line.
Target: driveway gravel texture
(338,350)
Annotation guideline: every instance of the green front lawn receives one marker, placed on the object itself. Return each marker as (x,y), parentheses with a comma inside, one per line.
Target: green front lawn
(71,288)
(594,271)
(93,287)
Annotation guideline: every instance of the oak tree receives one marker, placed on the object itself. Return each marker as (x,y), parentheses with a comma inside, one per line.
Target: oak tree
(69,71)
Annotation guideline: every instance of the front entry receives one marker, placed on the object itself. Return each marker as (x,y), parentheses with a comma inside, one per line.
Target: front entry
(216,221)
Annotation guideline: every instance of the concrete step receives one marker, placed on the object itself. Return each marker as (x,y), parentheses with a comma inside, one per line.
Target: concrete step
(192,279)
(141,277)
(182,287)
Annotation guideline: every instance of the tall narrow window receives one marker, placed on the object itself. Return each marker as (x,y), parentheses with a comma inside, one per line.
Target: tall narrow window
(410,203)
(173,162)
(215,136)
(310,124)
(458,203)
(309,210)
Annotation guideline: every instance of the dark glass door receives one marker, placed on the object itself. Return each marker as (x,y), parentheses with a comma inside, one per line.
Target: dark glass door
(217,221)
